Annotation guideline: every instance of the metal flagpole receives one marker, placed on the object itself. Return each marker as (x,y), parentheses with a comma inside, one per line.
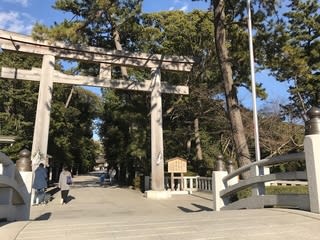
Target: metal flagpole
(253,86)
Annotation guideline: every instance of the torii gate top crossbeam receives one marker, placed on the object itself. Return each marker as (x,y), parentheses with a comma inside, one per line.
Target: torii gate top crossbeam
(23,43)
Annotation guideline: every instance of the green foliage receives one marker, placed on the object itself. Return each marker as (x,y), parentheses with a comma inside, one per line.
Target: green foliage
(71,128)
(18,101)
(125,128)
(94,22)
(292,49)
(275,190)
(242,194)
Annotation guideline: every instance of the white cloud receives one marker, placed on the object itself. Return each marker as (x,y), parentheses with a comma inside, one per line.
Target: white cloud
(184,8)
(182,5)
(16,22)
(24,3)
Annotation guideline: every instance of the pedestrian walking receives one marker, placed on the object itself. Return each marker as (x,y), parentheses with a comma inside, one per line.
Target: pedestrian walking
(112,174)
(40,184)
(65,180)
(103,178)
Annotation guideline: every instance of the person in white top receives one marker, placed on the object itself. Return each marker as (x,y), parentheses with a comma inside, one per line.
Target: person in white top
(112,174)
(65,180)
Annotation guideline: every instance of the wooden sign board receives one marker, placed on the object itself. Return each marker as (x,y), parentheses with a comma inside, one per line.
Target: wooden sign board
(177,165)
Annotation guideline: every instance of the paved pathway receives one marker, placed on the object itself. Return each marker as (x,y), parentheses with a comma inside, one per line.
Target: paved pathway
(97,213)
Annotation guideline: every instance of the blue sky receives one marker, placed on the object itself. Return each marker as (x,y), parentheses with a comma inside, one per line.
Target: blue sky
(20,15)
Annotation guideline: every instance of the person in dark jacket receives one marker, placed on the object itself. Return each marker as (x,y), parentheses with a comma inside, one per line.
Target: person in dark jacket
(102,177)
(39,184)
(65,180)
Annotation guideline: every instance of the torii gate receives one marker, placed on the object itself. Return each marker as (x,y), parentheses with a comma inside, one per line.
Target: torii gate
(47,75)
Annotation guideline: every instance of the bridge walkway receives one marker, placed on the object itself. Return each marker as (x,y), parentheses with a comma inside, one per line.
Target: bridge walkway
(111,212)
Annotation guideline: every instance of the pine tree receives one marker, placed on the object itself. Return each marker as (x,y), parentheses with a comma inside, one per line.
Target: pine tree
(292,48)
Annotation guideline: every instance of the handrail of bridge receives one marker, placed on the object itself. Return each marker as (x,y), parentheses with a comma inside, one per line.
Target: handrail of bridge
(262,179)
(259,199)
(266,162)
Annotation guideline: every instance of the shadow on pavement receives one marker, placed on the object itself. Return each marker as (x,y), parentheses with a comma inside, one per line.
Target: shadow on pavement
(43,217)
(201,208)
(53,191)
(200,196)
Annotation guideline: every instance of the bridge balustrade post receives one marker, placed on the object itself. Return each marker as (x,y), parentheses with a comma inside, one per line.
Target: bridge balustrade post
(229,166)
(230,169)
(23,165)
(312,155)
(259,188)
(217,184)
(219,164)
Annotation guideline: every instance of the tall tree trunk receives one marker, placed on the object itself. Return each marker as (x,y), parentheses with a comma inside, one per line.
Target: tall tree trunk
(124,72)
(117,43)
(242,150)
(197,138)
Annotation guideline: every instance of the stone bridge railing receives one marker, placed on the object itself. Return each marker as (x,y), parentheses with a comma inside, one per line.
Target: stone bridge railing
(224,189)
(14,194)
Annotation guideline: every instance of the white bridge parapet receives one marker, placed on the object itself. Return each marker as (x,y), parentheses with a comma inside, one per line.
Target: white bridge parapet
(14,195)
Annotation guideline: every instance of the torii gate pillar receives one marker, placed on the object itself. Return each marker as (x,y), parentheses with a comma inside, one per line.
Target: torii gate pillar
(41,127)
(157,163)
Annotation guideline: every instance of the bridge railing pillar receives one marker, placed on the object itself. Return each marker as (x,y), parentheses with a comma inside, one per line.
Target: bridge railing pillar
(217,184)
(23,165)
(312,155)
